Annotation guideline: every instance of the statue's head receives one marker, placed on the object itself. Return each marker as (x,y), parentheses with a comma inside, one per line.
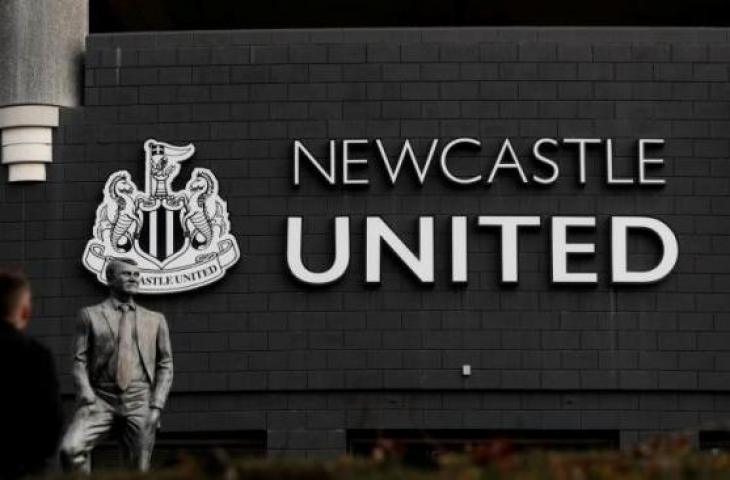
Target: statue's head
(200,182)
(122,276)
(122,184)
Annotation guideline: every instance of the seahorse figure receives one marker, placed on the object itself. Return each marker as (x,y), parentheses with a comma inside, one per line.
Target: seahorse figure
(204,209)
(119,214)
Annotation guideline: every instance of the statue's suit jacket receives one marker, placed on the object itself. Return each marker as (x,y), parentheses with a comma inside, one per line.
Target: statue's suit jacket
(97,339)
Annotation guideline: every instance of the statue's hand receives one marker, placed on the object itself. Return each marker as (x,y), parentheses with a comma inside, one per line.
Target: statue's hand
(154,419)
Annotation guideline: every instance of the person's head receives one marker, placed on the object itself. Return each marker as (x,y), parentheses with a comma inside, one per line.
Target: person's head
(15,306)
(122,276)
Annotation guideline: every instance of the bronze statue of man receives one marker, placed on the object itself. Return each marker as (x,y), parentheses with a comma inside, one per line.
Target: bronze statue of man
(123,372)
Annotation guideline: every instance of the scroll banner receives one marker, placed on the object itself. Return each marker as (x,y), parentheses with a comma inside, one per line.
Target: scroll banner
(206,269)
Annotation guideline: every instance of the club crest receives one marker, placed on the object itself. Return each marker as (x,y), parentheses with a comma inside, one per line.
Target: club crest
(181,239)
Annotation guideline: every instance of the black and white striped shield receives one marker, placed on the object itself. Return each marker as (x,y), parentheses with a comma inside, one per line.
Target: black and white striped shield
(162,235)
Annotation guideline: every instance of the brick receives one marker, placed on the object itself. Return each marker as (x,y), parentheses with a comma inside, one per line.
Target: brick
(431,71)
(560,380)
(193,55)
(520,379)
(219,74)
(288,73)
(325,73)
(401,72)
(560,340)
(574,53)
(193,94)
(175,75)
(130,76)
(634,71)
(713,72)
(269,54)
(230,55)
(459,53)
(419,52)
(383,52)
(478,71)
(652,52)
(537,51)
(673,71)
(361,72)
(498,52)
(595,71)
(346,53)
(459,90)
(157,57)
(612,53)
(688,52)
(597,380)
(638,380)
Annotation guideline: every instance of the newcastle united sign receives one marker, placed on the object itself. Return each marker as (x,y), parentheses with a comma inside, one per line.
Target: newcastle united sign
(347,164)
(180,239)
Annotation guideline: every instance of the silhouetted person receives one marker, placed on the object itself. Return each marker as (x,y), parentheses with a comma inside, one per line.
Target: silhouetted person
(30,407)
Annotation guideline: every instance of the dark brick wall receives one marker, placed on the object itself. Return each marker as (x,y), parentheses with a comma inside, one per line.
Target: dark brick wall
(259,350)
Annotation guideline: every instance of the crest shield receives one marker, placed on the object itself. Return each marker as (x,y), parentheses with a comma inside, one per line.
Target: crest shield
(180,239)
(162,235)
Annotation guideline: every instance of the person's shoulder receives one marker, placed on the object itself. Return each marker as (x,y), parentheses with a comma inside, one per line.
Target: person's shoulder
(29,351)
(38,349)
(92,309)
(11,336)
(150,312)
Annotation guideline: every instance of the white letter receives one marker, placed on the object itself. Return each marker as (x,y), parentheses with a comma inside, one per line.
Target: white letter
(619,268)
(561,249)
(444,157)
(643,161)
(539,156)
(294,252)
(609,167)
(458,250)
(377,230)
(330,176)
(581,142)
(509,241)
(347,161)
(406,150)
(507,147)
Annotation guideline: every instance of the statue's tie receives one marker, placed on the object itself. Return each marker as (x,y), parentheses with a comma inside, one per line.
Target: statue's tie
(125,355)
